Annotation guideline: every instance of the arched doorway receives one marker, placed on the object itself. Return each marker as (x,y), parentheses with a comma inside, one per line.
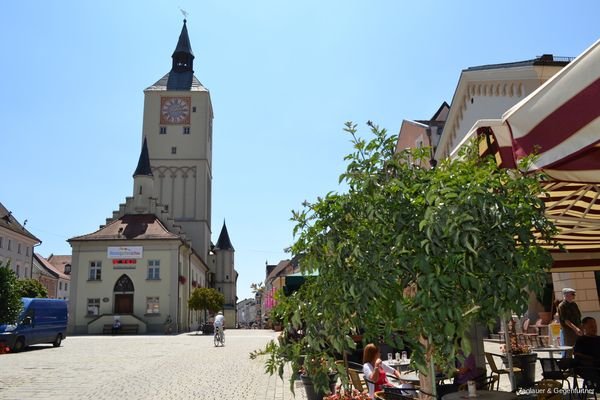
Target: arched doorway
(123,291)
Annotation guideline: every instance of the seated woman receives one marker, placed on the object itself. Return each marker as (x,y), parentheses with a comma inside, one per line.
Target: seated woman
(375,371)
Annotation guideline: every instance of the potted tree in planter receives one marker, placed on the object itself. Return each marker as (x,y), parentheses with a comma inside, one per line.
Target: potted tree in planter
(523,358)
(428,252)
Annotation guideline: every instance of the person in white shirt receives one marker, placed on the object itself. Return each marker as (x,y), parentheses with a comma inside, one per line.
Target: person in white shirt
(219,323)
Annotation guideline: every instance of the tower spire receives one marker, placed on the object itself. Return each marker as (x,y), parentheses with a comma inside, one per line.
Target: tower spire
(143,166)
(224,243)
(182,69)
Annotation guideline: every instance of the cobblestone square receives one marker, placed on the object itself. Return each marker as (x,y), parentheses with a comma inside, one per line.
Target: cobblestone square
(184,366)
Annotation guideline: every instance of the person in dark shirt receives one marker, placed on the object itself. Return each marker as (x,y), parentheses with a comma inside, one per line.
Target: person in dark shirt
(570,319)
(587,347)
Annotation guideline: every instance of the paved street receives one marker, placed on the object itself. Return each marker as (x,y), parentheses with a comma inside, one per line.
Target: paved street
(184,366)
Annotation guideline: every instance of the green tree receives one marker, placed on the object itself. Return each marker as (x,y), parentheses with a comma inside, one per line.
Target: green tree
(31,288)
(206,299)
(414,256)
(10,299)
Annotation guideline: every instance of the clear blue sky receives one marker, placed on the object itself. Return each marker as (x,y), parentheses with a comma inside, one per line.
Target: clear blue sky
(284,76)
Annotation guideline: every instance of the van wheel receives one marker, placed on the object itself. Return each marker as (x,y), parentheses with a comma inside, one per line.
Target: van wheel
(19,345)
(57,341)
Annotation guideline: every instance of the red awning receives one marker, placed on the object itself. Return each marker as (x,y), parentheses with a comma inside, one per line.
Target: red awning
(560,122)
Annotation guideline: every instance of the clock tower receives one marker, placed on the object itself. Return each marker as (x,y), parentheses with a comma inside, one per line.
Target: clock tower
(178,128)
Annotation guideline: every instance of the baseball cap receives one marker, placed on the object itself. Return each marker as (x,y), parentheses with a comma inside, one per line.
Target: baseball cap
(568,290)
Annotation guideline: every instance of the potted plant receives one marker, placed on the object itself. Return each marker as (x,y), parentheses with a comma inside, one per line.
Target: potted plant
(344,393)
(523,358)
(313,362)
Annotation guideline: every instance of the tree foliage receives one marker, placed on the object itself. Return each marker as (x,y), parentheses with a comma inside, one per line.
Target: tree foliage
(10,299)
(31,288)
(414,255)
(206,299)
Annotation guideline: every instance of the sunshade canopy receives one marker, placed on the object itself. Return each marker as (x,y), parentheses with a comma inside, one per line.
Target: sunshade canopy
(560,123)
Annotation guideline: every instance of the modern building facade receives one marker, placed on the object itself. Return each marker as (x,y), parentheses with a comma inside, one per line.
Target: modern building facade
(143,264)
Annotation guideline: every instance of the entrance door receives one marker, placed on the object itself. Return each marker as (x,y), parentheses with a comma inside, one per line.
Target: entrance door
(123,303)
(123,295)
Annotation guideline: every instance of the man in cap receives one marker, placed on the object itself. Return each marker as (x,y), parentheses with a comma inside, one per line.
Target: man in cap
(569,317)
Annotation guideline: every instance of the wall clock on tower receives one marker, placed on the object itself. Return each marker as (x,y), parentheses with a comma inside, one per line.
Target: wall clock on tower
(175,110)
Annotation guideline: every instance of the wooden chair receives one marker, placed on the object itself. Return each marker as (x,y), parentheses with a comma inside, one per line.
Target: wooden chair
(499,371)
(529,334)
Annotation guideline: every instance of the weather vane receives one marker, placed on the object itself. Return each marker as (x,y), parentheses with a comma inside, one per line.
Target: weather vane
(185,14)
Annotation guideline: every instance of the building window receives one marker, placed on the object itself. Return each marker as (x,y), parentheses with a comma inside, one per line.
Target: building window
(152,305)
(163,130)
(194,109)
(153,269)
(93,306)
(186,130)
(27,250)
(67,269)
(95,270)
(18,248)
(59,285)
(1,242)
(173,150)
(66,286)
(9,243)
(18,271)
(26,272)
(226,277)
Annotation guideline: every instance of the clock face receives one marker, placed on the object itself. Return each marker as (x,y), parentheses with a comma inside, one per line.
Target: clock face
(175,110)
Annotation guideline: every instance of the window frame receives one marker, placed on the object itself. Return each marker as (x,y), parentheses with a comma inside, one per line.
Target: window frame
(152,305)
(153,273)
(95,271)
(93,302)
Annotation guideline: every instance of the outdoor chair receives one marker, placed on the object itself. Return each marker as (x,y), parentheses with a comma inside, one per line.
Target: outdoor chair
(529,334)
(353,371)
(357,383)
(591,378)
(499,371)
(552,370)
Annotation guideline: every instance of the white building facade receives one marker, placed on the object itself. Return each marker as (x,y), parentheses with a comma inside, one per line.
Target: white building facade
(144,263)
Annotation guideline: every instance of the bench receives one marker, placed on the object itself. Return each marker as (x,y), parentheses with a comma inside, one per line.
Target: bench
(126,329)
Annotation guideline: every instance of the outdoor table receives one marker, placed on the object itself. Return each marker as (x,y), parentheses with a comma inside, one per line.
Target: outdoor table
(552,350)
(411,377)
(481,395)
(399,365)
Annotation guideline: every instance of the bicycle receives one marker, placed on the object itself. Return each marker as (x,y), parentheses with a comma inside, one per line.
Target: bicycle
(219,337)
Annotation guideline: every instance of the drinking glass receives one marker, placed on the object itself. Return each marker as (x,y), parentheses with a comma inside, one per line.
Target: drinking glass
(390,357)
(404,356)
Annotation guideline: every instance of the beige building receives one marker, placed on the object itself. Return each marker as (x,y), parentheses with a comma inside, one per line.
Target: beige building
(487,91)
(144,263)
(16,244)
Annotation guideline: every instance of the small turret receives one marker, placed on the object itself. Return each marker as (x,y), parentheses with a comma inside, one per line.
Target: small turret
(143,181)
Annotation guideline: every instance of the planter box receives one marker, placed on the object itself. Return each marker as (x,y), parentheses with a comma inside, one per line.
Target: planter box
(526,378)
(311,392)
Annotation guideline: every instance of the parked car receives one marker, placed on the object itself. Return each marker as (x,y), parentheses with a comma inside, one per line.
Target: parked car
(41,321)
